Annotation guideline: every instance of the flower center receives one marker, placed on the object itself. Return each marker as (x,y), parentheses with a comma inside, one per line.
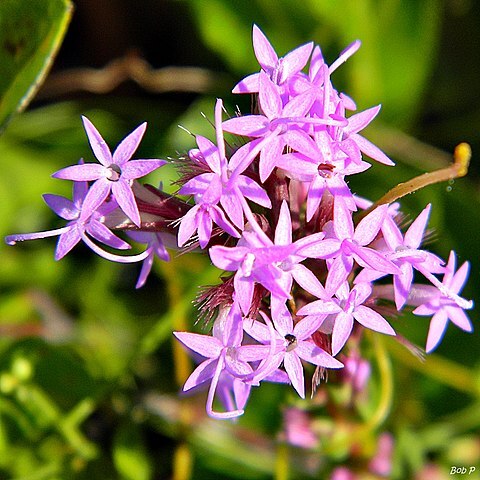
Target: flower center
(285,265)
(291,342)
(325,170)
(231,354)
(114,172)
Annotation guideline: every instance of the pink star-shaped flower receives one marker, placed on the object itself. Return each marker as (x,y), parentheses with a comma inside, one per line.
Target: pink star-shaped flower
(114,174)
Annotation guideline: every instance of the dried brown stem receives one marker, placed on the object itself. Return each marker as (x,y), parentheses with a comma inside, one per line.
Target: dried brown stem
(131,67)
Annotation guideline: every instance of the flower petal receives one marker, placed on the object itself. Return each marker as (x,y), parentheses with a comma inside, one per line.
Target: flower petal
(62,206)
(369,226)
(103,234)
(271,151)
(205,226)
(283,230)
(247,85)
(342,219)
(311,353)
(402,284)
(197,185)
(367,257)
(371,319)
(247,125)
(294,369)
(220,219)
(300,141)
(294,61)
(253,191)
(264,51)
(122,191)
(66,241)
(283,321)
(84,172)
(244,288)
(438,325)
(338,272)
(210,153)
(320,249)
(459,318)
(201,374)
(299,106)
(368,148)
(98,144)
(126,148)
(460,277)
(414,234)
(139,168)
(206,345)
(96,195)
(360,120)
(188,225)
(233,208)
(307,280)
(341,331)
(269,98)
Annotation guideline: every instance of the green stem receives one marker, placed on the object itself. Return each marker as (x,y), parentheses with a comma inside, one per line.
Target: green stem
(386,385)
(459,168)
(182,459)
(439,368)
(282,462)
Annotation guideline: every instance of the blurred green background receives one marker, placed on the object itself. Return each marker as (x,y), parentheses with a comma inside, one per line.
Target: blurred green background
(89,375)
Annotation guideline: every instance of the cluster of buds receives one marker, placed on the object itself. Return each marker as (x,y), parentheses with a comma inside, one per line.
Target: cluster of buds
(273,210)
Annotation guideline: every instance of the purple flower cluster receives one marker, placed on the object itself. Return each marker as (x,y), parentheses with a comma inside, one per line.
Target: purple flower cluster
(273,209)
(92,204)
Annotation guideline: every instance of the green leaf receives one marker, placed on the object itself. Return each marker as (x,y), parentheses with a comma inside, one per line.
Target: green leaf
(30,35)
(129,454)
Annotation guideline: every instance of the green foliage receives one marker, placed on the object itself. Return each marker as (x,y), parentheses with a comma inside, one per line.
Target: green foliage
(30,34)
(395,62)
(130,455)
(89,378)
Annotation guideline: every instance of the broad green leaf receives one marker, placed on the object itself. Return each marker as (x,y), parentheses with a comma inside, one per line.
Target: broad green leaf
(31,32)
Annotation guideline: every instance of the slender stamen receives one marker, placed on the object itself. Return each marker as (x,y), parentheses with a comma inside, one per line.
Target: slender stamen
(13,239)
(265,364)
(345,55)
(460,301)
(219,134)
(116,258)
(458,169)
(253,222)
(211,395)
